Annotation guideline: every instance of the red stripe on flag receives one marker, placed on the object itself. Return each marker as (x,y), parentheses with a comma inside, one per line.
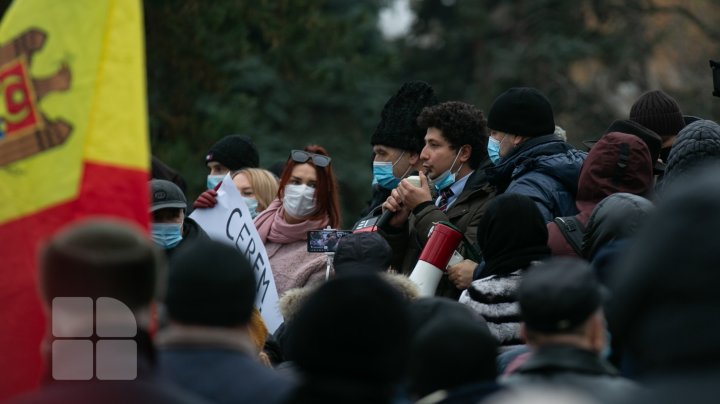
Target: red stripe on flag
(104,191)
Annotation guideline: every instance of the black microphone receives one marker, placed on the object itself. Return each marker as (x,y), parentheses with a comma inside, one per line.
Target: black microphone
(387,215)
(384,219)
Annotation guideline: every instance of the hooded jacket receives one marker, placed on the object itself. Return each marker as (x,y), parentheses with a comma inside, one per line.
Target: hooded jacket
(512,235)
(544,168)
(618,162)
(616,217)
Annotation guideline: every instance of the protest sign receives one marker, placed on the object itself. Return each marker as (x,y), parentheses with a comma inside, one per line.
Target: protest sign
(230,222)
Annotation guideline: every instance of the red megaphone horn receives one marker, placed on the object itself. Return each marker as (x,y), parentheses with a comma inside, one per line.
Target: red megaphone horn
(434,258)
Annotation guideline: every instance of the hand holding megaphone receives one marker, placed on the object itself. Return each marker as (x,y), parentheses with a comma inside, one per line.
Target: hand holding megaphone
(434,257)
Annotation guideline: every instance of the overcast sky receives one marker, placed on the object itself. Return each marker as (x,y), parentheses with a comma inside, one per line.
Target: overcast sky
(395,20)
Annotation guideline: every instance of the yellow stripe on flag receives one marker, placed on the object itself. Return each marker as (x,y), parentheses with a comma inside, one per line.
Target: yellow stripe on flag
(85,80)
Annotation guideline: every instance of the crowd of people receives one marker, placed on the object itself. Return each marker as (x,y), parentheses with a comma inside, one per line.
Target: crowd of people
(583,276)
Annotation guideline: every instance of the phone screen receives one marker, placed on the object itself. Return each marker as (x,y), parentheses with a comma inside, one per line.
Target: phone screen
(324,241)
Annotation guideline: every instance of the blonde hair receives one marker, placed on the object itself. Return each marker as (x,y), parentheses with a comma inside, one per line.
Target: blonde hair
(264,185)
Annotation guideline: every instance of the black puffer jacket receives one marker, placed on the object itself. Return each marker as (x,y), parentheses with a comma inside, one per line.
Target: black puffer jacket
(616,217)
(696,144)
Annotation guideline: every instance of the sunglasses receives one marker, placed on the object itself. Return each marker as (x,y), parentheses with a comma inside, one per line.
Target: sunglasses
(301,156)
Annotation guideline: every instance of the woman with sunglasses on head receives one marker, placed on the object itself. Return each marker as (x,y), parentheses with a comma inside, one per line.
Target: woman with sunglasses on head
(307,200)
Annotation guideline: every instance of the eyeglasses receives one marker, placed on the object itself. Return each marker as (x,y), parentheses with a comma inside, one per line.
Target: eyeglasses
(301,156)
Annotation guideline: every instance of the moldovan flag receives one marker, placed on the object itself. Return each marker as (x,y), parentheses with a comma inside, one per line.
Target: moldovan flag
(73,144)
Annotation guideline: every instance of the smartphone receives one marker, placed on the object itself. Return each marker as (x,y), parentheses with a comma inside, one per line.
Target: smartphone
(324,241)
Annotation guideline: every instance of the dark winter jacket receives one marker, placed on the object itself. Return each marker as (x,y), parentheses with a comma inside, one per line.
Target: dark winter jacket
(667,316)
(618,162)
(465,214)
(572,368)
(617,217)
(664,292)
(696,144)
(191,231)
(218,366)
(544,168)
(147,387)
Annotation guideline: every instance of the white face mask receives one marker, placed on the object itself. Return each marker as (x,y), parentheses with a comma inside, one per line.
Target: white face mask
(299,200)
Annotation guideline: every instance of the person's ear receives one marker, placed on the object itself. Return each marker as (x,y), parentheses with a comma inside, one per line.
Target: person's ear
(517,140)
(413,158)
(464,153)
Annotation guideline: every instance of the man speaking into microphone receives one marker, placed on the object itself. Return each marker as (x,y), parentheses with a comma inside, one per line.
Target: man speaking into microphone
(453,160)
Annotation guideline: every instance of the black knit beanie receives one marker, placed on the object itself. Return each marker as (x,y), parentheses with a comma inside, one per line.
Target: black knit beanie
(696,144)
(522,111)
(659,112)
(234,152)
(354,327)
(398,123)
(210,284)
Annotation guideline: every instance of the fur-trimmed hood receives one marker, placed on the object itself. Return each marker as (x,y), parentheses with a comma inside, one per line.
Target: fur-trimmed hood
(291,301)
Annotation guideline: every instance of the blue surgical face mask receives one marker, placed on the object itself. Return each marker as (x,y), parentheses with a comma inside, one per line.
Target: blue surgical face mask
(448,177)
(493,149)
(213,180)
(251,205)
(167,235)
(383,173)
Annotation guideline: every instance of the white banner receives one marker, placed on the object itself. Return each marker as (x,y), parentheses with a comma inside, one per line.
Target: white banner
(230,222)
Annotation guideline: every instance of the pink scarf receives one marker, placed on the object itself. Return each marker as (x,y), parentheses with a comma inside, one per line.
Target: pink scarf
(271,225)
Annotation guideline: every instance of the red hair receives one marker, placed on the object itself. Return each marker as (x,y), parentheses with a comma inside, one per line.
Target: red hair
(326,190)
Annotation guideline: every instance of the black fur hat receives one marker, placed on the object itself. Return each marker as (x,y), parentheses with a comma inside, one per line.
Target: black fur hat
(398,122)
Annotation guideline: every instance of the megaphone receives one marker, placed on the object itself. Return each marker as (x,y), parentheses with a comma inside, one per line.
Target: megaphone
(434,258)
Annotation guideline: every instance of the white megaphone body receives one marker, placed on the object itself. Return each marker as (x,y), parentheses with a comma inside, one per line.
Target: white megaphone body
(434,258)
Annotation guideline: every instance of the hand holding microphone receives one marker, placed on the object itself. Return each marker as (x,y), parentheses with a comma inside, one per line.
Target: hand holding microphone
(413,195)
(402,200)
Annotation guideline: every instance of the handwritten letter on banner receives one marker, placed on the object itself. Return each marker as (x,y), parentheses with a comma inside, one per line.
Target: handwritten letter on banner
(230,222)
